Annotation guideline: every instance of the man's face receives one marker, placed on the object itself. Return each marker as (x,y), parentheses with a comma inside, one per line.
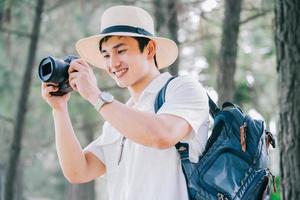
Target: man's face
(124,61)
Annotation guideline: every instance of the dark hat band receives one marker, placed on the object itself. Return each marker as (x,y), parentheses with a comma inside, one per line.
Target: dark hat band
(127,29)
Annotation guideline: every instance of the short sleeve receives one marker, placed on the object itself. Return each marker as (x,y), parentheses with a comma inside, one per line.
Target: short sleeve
(96,149)
(104,146)
(186,98)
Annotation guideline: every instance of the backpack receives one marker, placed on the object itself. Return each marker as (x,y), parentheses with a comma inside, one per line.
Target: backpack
(233,165)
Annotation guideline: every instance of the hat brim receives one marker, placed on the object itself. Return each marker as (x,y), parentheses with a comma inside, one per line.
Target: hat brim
(88,49)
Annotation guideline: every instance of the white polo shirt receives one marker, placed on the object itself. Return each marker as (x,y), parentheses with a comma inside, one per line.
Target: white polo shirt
(146,173)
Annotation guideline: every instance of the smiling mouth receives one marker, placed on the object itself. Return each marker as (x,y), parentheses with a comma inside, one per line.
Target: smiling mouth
(121,72)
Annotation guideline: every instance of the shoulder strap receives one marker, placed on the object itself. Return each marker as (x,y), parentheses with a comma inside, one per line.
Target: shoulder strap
(213,108)
(160,98)
(182,148)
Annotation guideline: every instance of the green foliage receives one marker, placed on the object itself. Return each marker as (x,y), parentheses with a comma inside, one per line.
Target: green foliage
(242,94)
(276,195)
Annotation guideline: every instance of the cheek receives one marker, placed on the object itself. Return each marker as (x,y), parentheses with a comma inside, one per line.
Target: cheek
(139,65)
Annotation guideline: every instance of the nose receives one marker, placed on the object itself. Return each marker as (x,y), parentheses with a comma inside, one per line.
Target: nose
(114,61)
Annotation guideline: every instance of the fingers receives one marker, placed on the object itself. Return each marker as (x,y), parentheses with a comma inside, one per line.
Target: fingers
(46,84)
(83,62)
(78,65)
(47,88)
(73,77)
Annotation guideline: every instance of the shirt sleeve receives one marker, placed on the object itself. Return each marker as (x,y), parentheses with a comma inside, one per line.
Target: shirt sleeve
(104,146)
(95,149)
(186,98)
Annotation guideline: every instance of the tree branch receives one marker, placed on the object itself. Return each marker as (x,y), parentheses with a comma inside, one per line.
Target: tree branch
(255,16)
(7,119)
(16,32)
(203,16)
(60,3)
(194,2)
(198,39)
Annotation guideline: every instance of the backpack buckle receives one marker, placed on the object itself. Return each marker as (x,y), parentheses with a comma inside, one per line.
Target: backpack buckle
(221,196)
(270,138)
(183,150)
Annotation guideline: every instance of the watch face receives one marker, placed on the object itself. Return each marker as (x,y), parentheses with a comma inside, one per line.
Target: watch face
(107,97)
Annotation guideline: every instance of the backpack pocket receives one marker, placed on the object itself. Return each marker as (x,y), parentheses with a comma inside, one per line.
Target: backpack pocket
(254,185)
(219,179)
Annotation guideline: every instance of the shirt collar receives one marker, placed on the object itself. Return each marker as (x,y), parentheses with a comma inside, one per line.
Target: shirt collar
(157,83)
(154,86)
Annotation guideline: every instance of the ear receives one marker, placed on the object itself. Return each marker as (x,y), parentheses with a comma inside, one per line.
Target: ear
(151,49)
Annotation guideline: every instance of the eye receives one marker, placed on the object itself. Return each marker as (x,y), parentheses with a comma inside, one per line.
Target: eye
(122,51)
(106,56)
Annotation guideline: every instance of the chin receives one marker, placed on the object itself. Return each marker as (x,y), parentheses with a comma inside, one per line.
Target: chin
(122,84)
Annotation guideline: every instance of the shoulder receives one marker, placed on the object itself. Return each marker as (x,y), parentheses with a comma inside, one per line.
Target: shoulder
(186,86)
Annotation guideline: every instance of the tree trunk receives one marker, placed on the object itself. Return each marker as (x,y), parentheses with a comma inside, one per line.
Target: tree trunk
(159,14)
(166,23)
(6,21)
(15,148)
(173,30)
(1,181)
(287,42)
(228,50)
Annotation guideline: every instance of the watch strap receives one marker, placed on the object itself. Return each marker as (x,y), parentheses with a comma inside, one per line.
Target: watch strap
(99,104)
(103,98)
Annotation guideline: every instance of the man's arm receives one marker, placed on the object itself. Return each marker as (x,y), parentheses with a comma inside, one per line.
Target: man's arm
(159,131)
(185,109)
(77,166)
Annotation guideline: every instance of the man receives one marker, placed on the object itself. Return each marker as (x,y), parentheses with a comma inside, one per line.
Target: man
(136,149)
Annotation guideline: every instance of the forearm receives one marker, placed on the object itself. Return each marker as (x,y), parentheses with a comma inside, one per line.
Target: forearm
(141,127)
(70,154)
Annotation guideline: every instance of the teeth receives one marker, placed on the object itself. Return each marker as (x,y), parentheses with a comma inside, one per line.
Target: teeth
(118,73)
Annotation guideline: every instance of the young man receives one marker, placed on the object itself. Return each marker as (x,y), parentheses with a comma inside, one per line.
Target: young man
(136,148)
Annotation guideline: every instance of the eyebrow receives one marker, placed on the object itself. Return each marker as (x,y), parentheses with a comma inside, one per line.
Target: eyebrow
(115,47)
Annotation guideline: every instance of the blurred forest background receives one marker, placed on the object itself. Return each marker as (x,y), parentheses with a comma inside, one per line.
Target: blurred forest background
(228,45)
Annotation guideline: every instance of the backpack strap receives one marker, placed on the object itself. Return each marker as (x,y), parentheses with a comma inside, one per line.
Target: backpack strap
(182,148)
(213,108)
(160,98)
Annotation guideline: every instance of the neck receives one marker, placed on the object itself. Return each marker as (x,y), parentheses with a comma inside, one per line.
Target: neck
(137,89)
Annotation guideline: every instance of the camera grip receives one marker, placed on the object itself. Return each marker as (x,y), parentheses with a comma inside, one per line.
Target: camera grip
(63,88)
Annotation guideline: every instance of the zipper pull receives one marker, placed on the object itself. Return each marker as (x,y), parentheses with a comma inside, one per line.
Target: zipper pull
(273,181)
(121,151)
(243,136)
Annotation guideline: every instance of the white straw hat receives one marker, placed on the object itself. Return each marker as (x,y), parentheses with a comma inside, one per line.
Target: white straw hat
(126,21)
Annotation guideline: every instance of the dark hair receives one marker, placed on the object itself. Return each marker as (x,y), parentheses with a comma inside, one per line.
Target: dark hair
(142,42)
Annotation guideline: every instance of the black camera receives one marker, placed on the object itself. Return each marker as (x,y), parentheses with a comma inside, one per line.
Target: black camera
(56,70)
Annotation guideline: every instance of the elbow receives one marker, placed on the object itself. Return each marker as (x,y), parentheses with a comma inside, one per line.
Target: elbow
(163,141)
(163,144)
(74,178)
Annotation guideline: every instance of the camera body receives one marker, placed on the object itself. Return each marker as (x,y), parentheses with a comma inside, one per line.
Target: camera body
(56,70)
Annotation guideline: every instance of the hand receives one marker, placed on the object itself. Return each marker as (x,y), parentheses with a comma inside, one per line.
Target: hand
(82,79)
(56,102)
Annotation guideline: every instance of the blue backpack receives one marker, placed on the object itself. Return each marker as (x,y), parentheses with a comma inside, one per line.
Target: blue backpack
(234,163)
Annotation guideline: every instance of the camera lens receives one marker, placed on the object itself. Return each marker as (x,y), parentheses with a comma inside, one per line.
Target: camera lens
(53,70)
(45,69)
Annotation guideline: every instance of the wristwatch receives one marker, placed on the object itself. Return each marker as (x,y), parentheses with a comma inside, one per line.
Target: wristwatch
(104,98)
